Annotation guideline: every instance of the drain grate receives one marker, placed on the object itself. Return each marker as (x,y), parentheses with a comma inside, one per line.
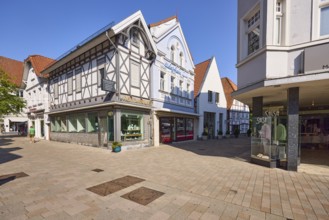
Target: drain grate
(97,170)
(143,195)
(113,186)
(9,177)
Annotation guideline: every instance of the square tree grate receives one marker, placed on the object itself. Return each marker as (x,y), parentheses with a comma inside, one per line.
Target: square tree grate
(113,186)
(143,195)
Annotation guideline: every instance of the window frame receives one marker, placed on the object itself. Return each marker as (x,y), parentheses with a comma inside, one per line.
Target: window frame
(162,80)
(323,5)
(135,82)
(78,79)
(210,98)
(252,23)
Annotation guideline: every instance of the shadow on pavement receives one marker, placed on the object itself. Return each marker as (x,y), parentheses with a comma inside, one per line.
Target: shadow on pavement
(235,148)
(6,155)
(315,157)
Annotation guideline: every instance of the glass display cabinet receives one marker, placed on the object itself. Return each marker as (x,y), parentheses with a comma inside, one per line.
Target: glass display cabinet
(269,141)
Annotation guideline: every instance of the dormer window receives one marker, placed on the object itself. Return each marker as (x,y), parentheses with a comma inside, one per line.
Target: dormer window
(172,53)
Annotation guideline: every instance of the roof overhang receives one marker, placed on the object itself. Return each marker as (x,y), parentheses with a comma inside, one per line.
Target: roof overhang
(313,89)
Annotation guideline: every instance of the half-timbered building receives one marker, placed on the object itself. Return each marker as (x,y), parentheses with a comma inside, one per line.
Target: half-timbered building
(100,90)
(172,84)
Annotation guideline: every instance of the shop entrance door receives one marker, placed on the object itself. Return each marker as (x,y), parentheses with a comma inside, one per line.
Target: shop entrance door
(166,130)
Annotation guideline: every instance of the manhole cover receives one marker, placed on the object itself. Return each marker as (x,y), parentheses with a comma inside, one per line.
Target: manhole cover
(113,186)
(143,195)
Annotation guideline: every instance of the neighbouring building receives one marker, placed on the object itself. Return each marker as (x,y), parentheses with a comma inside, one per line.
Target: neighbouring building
(210,98)
(36,94)
(172,87)
(283,75)
(14,69)
(100,91)
(237,112)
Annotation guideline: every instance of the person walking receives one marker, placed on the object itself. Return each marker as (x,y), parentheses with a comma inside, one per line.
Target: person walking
(32,134)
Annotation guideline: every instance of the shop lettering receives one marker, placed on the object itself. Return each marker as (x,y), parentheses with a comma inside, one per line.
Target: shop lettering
(261,120)
(272,114)
(175,69)
(325,67)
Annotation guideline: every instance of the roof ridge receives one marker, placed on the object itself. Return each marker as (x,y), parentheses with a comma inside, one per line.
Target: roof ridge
(203,61)
(164,21)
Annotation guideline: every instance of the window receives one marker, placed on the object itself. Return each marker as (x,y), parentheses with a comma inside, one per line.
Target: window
(172,84)
(173,53)
(209,96)
(56,88)
(162,81)
(324,18)
(181,58)
(278,22)
(101,70)
(72,123)
(78,82)
(188,91)
(81,124)
(253,32)
(135,74)
(181,88)
(134,36)
(92,122)
(217,97)
(70,83)
(131,126)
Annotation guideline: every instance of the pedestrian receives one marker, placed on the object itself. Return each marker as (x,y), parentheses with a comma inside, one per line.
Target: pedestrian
(32,134)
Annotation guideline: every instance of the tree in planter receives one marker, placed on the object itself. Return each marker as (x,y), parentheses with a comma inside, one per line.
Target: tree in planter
(10,103)
(227,133)
(204,135)
(220,133)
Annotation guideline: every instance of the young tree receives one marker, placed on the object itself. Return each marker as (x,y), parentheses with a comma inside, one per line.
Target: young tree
(10,103)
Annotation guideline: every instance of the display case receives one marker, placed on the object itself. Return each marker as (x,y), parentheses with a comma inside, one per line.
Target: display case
(269,141)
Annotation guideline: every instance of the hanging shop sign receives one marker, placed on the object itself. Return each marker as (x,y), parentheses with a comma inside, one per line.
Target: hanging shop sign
(108,85)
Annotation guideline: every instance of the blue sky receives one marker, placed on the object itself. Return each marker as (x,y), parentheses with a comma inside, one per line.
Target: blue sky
(50,28)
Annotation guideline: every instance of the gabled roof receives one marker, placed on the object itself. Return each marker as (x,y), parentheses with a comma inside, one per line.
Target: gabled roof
(39,63)
(228,87)
(13,68)
(163,21)
(200,73)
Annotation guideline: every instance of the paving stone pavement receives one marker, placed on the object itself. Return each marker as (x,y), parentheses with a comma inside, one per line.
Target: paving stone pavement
(200,180)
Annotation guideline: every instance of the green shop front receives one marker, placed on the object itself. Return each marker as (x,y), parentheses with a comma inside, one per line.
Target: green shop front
(100,127)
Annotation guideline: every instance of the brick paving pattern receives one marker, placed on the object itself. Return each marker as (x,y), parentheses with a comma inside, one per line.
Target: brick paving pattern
(216,182)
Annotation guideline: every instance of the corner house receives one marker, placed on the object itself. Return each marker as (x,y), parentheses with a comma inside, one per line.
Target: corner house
(100,90)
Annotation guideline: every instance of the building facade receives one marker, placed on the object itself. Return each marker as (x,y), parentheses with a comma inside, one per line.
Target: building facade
(100,90)
(282,62)
(174,118)
(237,112)
(36,94)
(210,98)
(17,122)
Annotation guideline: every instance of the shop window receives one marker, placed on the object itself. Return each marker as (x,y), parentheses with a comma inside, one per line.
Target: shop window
(189,129)
(81,124)
(72,123)
(63,124)
(92,122)
(57,124)
(131,126)
(53,125)
(180,129)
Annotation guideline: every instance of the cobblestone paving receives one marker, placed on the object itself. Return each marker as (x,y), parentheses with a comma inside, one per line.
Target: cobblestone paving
(200,180)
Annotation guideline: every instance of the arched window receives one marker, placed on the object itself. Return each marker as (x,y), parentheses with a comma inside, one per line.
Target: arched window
(134,36)
(181,58)
(173,53)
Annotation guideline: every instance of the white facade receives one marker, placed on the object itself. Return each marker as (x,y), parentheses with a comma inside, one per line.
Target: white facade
(239,117)
(211,101)
(172,80)
(37,102)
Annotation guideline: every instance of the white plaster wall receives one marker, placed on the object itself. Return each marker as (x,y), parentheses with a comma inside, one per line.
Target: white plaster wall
(276,64)
(252,72)
(213,83)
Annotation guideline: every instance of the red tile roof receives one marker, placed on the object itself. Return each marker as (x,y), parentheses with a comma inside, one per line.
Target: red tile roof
(163,21)
(228,87)
(13,68)
(200,71)
(39,63)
